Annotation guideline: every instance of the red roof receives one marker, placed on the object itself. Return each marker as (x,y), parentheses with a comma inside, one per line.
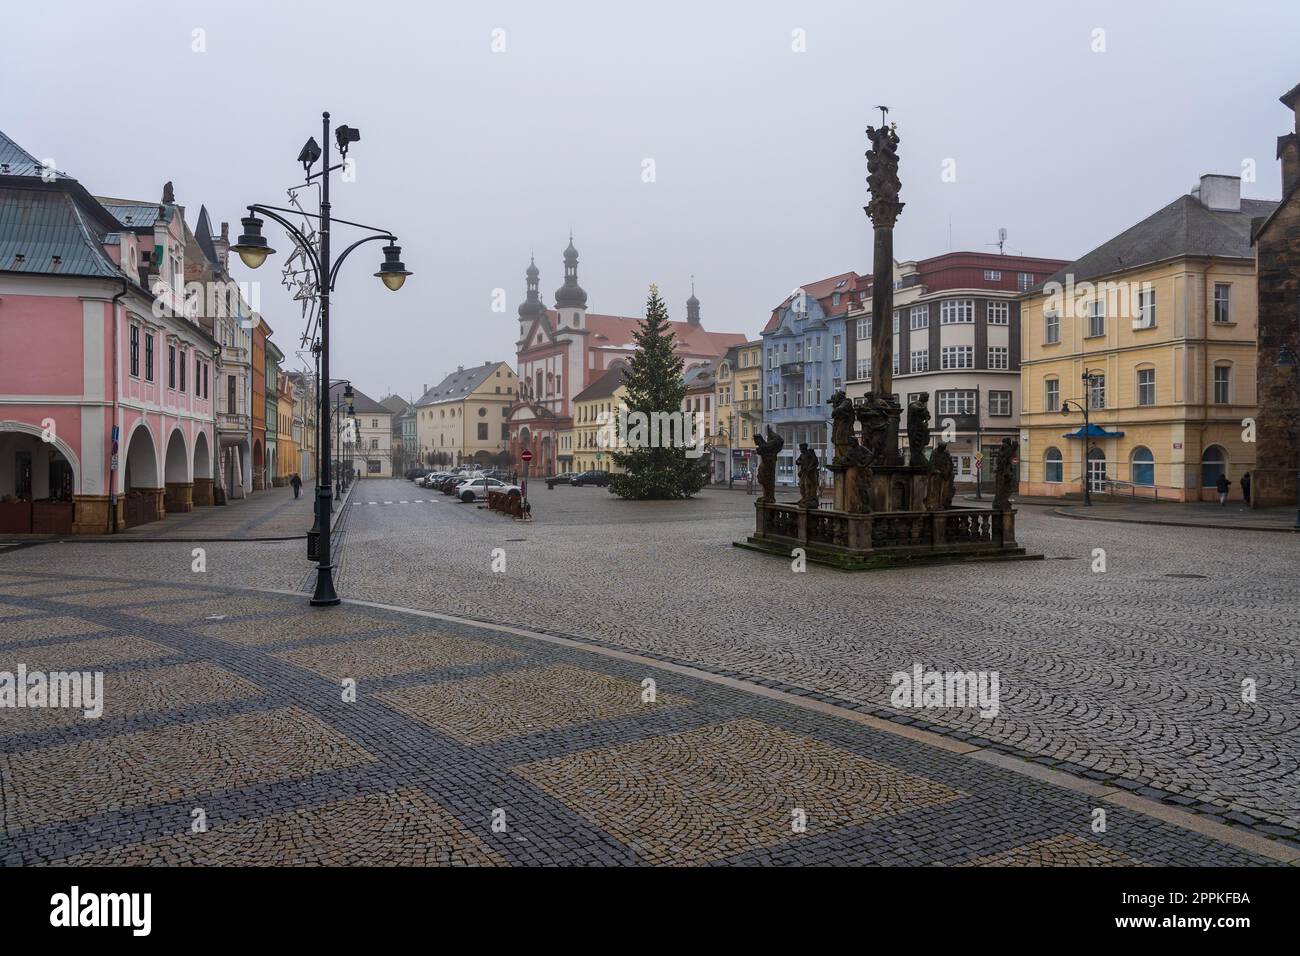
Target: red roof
(615,331)
(824,289)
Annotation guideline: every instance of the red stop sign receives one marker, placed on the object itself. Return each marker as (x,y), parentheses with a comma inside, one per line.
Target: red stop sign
(526,455)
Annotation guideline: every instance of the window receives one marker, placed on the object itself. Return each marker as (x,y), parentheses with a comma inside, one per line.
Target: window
(1146,386)
(999,313)
(135,350)
(482,431)
(182,367)
(835,348)
(921,360)
(1024,281)
(956,311)
(1053,467)
(1052,394)
(864,328)
(808,393)
(1222,385)
(895,321)
(1142,468)
(1096,318)
(373,467)
(1051,327)
(992,275)
(231,407)
(894,364)
(835,300)
(957,402)
(1146,309)
(505,432)
(998,357)
(864,369)
(1214,462)
(374,444)
(919,317)
(1222,302)
(999,404)
(957,356)
(374,423)
(148,356)
(198,376)
(1097,391)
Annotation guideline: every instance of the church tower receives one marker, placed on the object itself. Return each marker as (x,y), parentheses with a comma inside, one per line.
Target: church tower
(570,299)
(531,308)
(693,307)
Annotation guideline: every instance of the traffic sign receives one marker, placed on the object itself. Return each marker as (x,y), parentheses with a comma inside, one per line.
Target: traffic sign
(598,456)
(526,455)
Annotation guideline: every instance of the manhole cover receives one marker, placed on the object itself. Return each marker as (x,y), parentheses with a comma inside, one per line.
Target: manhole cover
(1186,575)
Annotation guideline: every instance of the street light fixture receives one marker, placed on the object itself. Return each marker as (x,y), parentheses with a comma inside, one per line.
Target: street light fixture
(1086,408)
(253,249)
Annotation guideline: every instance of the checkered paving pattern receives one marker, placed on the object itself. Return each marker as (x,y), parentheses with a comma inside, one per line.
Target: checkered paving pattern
(244,728)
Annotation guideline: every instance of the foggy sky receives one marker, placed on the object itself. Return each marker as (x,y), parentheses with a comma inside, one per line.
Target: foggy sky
(475,159)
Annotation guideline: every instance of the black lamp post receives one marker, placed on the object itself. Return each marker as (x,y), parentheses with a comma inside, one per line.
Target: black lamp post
(1286,359)
(1086,408)
(253,250)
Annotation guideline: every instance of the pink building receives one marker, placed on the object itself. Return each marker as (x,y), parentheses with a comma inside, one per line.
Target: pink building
(105,385)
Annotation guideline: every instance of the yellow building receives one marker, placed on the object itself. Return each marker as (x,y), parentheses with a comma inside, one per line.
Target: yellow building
(595,410)
(465,416)
(737,396)
(1161,320)
(288,442)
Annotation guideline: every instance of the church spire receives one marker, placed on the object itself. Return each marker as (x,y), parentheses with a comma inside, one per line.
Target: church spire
(570,295)
(693,306)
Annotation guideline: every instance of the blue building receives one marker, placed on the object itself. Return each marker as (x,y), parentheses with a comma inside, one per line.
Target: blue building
(804,364)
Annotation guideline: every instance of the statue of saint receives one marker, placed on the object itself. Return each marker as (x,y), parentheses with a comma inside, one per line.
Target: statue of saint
(918,429)
(873,413)
(809,471)
(768,449)
(940,484)
(842,419)
(1004,475)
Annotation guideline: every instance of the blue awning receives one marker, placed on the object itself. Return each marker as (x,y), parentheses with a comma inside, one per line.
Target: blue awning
(1093,431)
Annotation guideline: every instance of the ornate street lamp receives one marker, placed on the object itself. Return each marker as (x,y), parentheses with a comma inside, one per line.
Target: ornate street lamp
(253,249)
(1088,376)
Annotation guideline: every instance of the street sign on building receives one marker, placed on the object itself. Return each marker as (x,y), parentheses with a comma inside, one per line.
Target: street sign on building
(526,455)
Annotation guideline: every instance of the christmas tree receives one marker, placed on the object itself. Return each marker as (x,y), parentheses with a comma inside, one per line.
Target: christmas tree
(653,380)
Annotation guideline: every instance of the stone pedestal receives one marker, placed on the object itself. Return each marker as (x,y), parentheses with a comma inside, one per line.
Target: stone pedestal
(179,497)
(93,514)
(203,492)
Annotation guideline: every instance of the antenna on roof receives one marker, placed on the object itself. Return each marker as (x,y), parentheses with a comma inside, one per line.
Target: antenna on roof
(1002,241)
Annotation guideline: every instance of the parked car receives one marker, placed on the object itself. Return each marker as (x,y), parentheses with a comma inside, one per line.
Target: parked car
(415,474)
(478,488)
(428,480)
(553,480)
(598,478)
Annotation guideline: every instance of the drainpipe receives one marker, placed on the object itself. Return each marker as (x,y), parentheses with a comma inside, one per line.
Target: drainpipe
(112,478)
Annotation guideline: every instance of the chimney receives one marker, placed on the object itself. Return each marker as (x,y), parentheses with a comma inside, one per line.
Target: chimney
(1219,193)
(1288,146)
(423,389)
(221,246)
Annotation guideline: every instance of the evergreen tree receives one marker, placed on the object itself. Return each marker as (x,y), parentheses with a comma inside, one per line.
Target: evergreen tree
(653,381)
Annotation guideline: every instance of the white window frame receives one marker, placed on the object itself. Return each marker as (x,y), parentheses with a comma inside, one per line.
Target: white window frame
(920,360)
(1051,327)
(999,313)
(1096,318)
(1226,383)
(998,400)
(957,311)
(1052,394)
(1226,299)
(960,401)
(1146,309)
(919,317)
(957,357)
(1145,388)
(992,275)
(999,357)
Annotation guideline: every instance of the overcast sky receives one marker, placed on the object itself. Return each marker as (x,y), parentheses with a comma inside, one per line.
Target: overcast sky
(476,158)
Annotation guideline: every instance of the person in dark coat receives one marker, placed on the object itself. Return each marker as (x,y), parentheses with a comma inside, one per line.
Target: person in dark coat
(1222,485)
(297,484)
(1245,487)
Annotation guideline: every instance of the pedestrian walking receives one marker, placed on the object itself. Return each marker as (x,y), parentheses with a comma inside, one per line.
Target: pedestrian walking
(297,484)
(1222,485)
(1245,487)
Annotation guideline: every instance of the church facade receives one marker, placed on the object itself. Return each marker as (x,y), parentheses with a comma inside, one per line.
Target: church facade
(562,350)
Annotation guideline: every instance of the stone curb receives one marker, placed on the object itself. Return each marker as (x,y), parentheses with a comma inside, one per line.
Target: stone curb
(1174,524)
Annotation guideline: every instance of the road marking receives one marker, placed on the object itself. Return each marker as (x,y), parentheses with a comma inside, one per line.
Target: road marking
(403,502)
(388,502)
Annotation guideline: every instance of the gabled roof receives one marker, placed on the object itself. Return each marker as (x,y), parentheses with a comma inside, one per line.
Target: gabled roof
(134,214)
(395,404)
(1185,227)
(459,385)
(203,236)
(845,283)
(616,332)
(605,386)
(362,402)
(43,231)
(16,161)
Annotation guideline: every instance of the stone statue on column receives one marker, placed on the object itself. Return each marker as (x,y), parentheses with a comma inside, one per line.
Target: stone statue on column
(768,449)
(842,419)
(918,429)
(1004,474)
(809,476)
(940,485)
